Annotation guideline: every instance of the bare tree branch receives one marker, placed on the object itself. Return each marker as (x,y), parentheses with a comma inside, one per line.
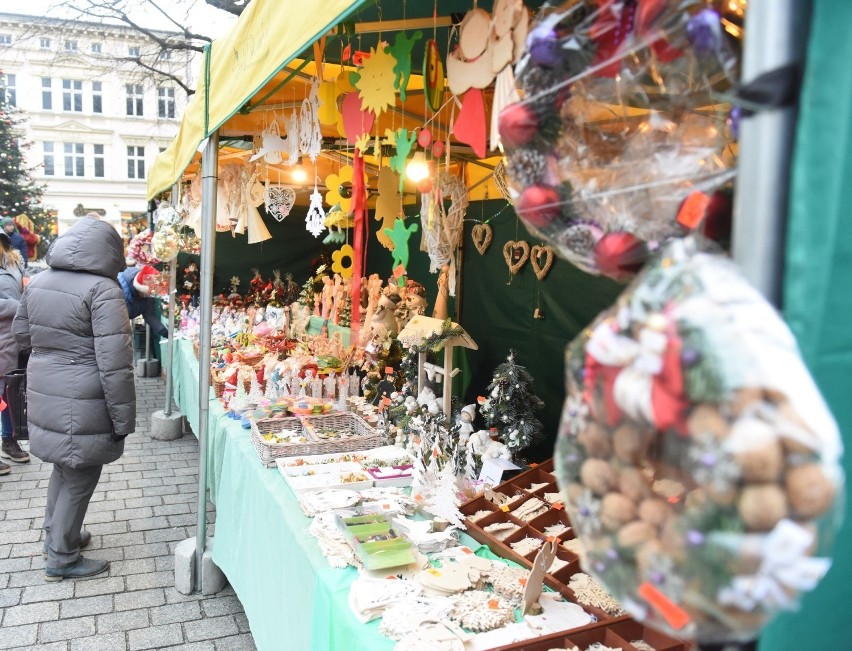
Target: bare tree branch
(231,6)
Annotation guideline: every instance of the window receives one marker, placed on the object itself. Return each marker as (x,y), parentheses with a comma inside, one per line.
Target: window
(134,99)
(99,161)
(74,159)
(46,93)
(133,51)
(44,43)
(5,39)
(49,160)
(166,102)
(10,94)
(96,48)
(165,55)
(71,46)
(135,162)
(97,97)
(72,95)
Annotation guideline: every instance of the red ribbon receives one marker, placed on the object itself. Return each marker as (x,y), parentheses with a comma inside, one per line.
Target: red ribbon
(359,204)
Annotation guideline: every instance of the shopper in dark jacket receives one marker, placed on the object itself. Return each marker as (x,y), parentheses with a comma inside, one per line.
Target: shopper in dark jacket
(80,388)
(11,286)
(17,239)
(137,299)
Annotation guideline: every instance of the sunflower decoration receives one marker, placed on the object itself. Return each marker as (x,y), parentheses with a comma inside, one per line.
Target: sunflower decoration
(339,188)
(342,261)
(375,81)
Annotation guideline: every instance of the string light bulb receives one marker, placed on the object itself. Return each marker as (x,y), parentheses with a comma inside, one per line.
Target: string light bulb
(417,168)
(299,175)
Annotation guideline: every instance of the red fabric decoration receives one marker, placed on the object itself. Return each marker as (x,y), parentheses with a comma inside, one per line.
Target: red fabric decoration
(469,127)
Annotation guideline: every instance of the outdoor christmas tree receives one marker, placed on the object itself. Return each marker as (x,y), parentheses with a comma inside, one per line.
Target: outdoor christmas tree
(20,195)
(510,405)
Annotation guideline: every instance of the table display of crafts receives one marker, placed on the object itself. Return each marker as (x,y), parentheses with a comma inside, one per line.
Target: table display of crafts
(699,463)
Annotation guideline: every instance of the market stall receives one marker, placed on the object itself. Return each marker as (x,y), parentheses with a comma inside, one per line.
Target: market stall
(679,478)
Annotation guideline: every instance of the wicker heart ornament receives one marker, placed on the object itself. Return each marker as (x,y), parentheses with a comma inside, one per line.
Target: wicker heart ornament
(279,201)
(541,269)
(516,254)
(482,234)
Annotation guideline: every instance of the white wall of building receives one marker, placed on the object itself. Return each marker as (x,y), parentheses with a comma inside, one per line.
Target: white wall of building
(36,49)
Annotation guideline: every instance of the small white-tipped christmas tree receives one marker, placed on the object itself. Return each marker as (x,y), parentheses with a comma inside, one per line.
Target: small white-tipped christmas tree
(255,395)
(443,501)
(511,405)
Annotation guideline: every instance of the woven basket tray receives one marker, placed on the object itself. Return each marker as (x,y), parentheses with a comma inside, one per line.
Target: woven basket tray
(356,435)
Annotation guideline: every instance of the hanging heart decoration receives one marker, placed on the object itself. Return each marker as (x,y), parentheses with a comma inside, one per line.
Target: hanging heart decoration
(482,234)
(541,269)
(279,201)
(516,255)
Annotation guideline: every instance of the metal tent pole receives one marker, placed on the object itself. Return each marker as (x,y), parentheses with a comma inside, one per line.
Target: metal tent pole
(170,346)
(209,179)
(775,35)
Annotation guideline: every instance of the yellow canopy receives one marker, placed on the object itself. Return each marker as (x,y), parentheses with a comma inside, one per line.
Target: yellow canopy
(268,35)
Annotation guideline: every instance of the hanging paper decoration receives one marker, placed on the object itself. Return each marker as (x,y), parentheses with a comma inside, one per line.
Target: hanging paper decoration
(272,145)
(388,205)
(469,64)
(342,261)
(375,81)
(601,168)
(294,138)
(442,227)
(278,200)
(433,75)
(400,235)
(541,268)
(356,120)
(316,216)
(403,143)
(482,234)
(236,206)
(339,188)
(699,463)
(469,127)
(516,255)
(310,133)
(401,51)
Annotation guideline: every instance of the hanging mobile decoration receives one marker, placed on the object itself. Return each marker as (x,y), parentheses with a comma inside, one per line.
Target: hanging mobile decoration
(375,81)
(433,75)
(294,138)
(272,144)
(401,51)
(339,188)
(310,132)
(541,269)
(387,205)
(516,255)
(469,126)
(403,143)
(344,254)
(314,220)
(482,234)
(278,200)
(328,112)
(357,121)
(399,234)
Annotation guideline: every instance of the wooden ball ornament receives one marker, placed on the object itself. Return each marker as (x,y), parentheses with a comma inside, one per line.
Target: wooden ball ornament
(809,490)
(636,533)
(632,483)
(620,255)
(539,205)
(598,476)
(762,464)
(762,506)
(596,441)
(616,511)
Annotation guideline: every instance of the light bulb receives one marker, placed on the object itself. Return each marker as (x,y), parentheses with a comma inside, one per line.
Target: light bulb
(417,168)
(299,175)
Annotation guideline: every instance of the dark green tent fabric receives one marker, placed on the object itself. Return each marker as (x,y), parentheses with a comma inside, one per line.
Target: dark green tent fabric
(817,282)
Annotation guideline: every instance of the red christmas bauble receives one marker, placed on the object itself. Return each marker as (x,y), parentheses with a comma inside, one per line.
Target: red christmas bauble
(517,124)
(620,255)
(538,205)
(424,185)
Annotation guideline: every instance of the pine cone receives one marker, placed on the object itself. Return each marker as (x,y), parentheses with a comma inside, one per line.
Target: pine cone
(526,167)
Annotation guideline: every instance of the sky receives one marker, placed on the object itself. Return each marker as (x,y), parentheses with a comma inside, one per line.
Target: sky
(200,17)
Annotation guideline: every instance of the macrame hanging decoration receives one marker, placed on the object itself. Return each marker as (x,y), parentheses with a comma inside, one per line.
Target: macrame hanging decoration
(482,234)
(314,220)
(442,228)
(278,200)
(541,267)
(310,132)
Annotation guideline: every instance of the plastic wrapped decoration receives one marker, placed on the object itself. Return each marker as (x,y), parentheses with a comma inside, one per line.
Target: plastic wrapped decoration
(139,248)
(165,244)
(620,140)
(698,461)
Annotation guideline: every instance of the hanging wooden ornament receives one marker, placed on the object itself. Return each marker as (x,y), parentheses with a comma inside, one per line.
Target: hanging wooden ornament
(356,120)
(433,75)
(403,143)
(338,188)
(293,125)
(375,81)
(482,234)
(343,260)
(278,200)
(316,215)
(469,127)
(469,64)
(401,51)
(387,205)
(540,268)
(272,144)
(400,235)
(310,132)
(516,255)
(328,112)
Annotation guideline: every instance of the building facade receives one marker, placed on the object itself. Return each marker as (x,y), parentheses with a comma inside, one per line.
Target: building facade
(96,118)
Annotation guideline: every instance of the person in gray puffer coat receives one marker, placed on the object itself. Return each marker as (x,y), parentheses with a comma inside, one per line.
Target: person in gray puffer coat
(80,388)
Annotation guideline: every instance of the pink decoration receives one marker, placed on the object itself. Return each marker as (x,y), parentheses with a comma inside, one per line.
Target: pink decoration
(356,121)
(470,125)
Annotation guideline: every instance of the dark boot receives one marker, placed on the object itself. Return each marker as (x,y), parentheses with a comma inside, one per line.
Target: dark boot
(5,468)
(11,450)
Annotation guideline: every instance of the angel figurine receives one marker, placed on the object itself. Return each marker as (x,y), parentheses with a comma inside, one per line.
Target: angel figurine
(329,386)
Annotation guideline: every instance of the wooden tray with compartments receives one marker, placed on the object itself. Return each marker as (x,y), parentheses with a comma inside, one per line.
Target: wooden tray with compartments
(610,629)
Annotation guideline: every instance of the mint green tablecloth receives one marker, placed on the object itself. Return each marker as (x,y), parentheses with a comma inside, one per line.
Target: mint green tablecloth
(315,326)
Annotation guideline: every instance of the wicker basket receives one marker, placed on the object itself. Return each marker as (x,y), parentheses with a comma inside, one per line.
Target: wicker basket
(219,386)
(356,435)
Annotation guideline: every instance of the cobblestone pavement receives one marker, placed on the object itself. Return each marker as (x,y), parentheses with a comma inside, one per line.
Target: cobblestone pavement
(144,505)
